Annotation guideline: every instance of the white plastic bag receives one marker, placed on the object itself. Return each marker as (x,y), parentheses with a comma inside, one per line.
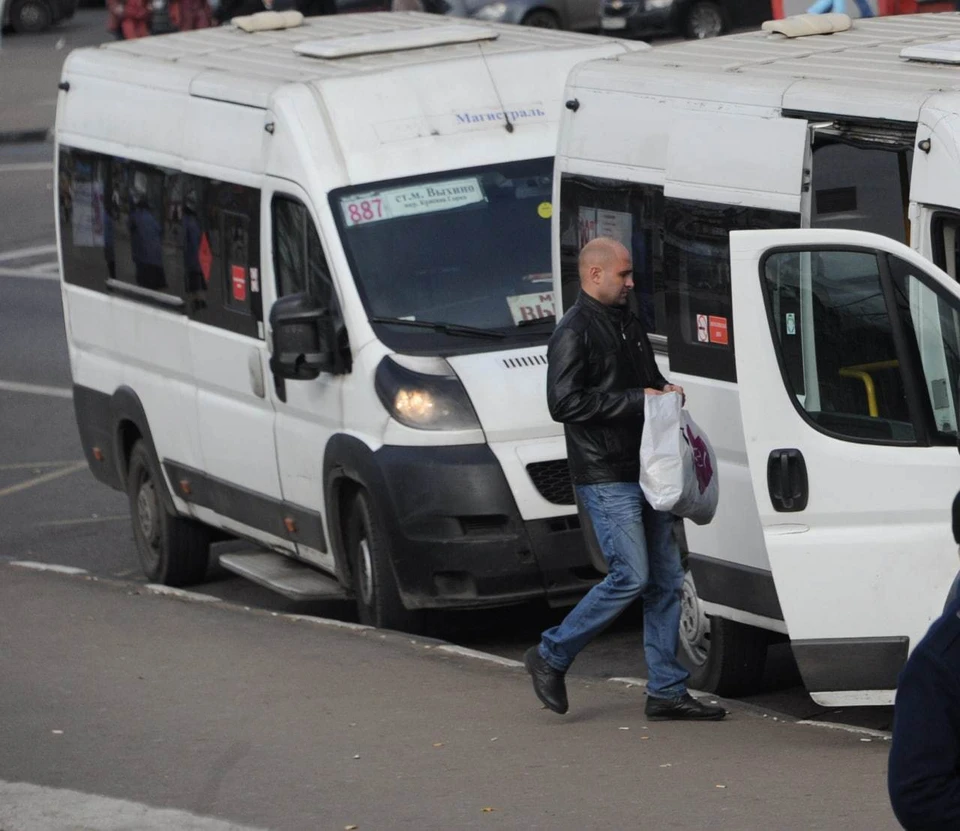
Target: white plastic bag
(678,469)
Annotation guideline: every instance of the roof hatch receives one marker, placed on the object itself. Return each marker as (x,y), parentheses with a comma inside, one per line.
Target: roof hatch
(946,51)
(398,41)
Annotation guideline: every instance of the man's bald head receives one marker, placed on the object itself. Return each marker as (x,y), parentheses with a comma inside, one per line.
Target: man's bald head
(606,271)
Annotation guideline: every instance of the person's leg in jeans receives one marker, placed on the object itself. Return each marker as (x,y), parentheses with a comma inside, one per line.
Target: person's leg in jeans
(661,607)
(616,510)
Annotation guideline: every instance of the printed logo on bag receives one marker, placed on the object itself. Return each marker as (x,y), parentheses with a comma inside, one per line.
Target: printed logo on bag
(701,459)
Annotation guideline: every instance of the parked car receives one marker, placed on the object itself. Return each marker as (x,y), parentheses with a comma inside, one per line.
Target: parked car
(690,18)
(580,15)
(35,15)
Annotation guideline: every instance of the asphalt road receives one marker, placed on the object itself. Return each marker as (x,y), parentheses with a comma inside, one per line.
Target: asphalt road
(51,508)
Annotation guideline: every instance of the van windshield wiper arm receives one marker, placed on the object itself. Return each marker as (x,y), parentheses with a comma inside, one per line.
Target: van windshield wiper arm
(439,326)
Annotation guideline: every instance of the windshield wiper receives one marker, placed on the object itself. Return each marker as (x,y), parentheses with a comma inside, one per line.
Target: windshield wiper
(438,326)
(533,321)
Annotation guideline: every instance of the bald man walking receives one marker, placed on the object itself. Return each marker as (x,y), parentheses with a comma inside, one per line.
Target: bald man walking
(601,368)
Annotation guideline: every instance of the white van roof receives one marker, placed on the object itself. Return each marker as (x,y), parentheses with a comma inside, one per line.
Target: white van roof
(859,72)
(247,67)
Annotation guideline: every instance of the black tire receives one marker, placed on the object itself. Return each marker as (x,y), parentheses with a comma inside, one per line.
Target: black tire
(173,550)
(542,19)
(722,656)
(374,584)
(704,20)
(30,16)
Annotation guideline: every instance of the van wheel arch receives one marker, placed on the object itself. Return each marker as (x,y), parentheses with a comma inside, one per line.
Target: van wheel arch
(542,18)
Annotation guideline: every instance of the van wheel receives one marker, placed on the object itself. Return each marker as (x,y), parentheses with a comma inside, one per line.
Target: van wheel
(375,587)
(173,550)
(30,16)
(704,20)
(541,19)
(722,656)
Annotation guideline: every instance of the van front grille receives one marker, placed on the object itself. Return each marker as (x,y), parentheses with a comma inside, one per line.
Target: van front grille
(552,480)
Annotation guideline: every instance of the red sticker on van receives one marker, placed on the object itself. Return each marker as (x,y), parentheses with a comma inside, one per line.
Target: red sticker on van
(238,280)
(718,330)
(205,257)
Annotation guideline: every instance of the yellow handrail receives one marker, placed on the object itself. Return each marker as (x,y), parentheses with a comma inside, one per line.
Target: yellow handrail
(862,373)
(868,383)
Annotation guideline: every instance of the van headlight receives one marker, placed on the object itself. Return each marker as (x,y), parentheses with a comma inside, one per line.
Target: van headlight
(424,401)
(491,11)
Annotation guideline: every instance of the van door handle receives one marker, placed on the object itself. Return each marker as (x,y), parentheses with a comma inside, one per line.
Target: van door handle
(787,480)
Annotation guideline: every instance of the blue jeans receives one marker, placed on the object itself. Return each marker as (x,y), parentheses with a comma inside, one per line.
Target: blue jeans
(643,561)
(840,7)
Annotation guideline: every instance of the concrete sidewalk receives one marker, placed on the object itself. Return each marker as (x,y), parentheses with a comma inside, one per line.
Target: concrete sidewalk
(283,723)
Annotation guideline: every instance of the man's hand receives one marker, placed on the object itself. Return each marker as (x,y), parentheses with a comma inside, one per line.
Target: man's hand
(676,388)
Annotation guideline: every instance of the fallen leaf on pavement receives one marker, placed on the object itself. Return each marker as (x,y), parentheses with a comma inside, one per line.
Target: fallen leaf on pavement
(721,786)
(488,810)
(438,744)
(350,827)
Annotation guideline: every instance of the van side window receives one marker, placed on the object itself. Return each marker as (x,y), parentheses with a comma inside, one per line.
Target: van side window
(945,231)
(301,266)
(700,326)
(220,254)
(931,321)
(626,211)
(860,188)
(86,229)
(298,257)
(119,222)
(144,217)
(837,343)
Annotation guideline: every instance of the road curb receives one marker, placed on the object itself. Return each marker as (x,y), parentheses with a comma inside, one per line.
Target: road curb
(427,644)
(40,134)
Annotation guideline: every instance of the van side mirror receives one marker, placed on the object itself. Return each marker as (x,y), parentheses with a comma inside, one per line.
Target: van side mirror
(303,338)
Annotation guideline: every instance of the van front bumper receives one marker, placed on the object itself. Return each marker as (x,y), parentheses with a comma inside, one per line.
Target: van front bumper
(457,539)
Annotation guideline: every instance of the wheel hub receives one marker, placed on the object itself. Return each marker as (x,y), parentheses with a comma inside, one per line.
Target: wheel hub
(706,22)
(694,624)
(30,15)
(148,514)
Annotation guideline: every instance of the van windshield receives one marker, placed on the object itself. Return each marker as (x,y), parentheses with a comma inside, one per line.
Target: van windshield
(465,248)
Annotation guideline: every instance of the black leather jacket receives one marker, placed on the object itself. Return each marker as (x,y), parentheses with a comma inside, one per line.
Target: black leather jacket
(599,362)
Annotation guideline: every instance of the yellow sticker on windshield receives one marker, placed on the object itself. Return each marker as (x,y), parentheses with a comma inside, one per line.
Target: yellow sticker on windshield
(545,209)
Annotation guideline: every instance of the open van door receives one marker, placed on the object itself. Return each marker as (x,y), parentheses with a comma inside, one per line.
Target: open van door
(848,355)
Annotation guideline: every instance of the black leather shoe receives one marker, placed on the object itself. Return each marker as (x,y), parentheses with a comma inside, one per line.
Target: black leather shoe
(683,707)
(548,683)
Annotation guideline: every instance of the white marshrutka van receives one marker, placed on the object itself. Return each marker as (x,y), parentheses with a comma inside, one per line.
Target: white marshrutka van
(307,292)
(822,363)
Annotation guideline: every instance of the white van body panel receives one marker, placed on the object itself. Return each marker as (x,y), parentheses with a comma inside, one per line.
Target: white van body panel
(730,122)
(246,110)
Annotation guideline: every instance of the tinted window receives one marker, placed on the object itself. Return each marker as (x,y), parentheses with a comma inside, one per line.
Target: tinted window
(697,265)
(160,231)
(837,342)
(300,265)
(630,213)
(221,254)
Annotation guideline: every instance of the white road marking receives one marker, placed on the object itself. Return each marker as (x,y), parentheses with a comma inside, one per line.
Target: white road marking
(40,480)
(23,272)
(26,807)
(90,520)
(23,253)
(31,465)
(25,167)
(48,567)
(36,389)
